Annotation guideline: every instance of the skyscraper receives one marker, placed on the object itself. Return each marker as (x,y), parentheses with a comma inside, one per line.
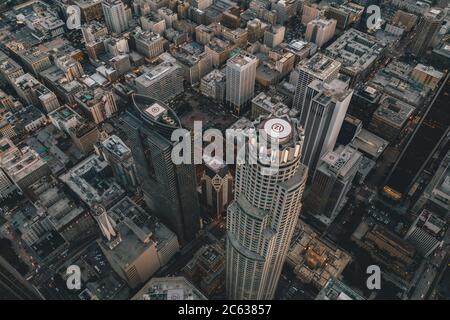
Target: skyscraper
(262,217)
(428,28)
(119,157)
(169,190)
(115,15)
(320,31)
(240,80)
(332,180)
(318,67)
(323,114)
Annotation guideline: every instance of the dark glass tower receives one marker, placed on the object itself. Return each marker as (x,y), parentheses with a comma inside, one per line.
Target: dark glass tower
(169,190)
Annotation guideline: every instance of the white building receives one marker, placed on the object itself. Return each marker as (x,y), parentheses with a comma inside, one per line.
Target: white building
(320,31)
(240,80)
(115,14)
(331,183)
(318,67)
(263,215)
(325,108)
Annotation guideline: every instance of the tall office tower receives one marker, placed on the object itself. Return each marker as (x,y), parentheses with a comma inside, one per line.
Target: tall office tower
(240,80)
(262,217)
(115,15)
(169,190)
(332,180)
(13,286)
(311,12)
(325,108)
(320,31)
(119,157)
(274,36)
(162,82)
(318,67)
(428,28)
(6,184)
(217,185)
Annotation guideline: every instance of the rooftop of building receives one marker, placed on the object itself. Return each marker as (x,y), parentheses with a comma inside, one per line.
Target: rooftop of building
(269,102)
(155,72)
(156,112)
(146,36)
(409,91)
(369,93)
(170,288)
(116,146)
(341,161)
(319,65)
(356,50)
(100,282)
(59,206)
(92,181)
(336,90)
(429,70)
(442,187)
(189,53)
(241,59)
(393,110)
(28,114)
(315,260)
(86,3)
(370,143)
(337,290)
(214,76)
(64,113)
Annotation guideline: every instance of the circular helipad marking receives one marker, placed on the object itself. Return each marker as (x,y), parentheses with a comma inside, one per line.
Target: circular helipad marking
(277,128)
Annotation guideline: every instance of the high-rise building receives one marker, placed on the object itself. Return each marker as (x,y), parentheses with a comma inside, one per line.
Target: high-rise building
(6,184)
(169,190)
(318,67)
(274,35)
(332,180)
(325,108)
(217,185)
(240,80)
(136,243)
(427,75)
(119,157)
(170,288)
(98,103)
(428,28)
(311,12)
(337,290)
(320,31)
(390,118)
(285,9)
(263,215)
(162,82)
(148,43)
(115,15)
(23,165)
(91,10)
(427,232)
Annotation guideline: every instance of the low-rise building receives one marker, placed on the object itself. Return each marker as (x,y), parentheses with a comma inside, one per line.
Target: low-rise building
(390,118)
(314,260)
(171,288)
